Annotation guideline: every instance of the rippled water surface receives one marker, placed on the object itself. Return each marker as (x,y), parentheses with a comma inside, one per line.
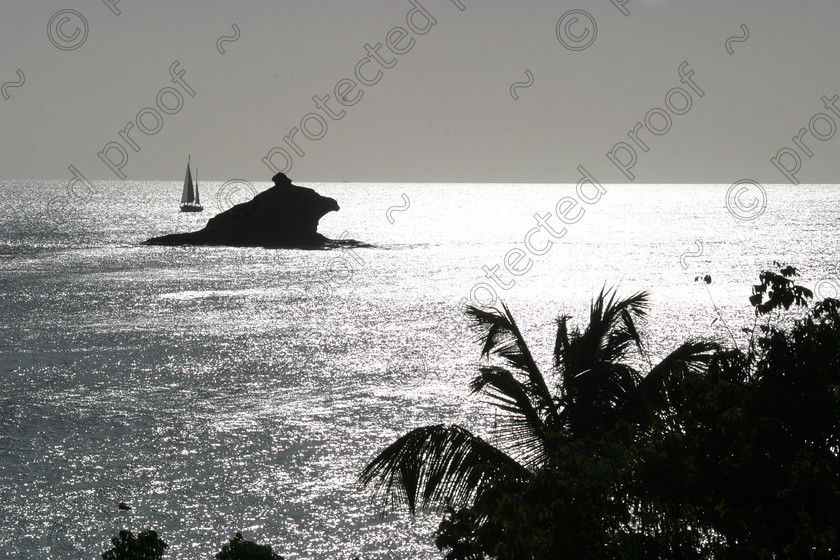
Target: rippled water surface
(219,389)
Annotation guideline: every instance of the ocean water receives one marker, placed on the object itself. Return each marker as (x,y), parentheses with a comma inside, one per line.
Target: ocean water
(218,390)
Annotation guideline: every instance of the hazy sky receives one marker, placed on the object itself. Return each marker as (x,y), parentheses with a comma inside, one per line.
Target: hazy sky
(429,99)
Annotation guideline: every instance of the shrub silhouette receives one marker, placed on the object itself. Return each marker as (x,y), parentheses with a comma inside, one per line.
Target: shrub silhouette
(146,546)
(240,549)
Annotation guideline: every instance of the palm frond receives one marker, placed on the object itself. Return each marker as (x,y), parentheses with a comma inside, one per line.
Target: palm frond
(618,320)
(435,463)
(499,335)
(524,427)
(630,330)
(690,356)
(595,378)
(606,339)
(562,343)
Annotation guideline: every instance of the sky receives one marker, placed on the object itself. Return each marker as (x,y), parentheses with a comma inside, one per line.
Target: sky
(628,91)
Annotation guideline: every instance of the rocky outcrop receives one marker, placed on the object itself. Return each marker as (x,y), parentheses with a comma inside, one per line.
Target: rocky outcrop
(285,215)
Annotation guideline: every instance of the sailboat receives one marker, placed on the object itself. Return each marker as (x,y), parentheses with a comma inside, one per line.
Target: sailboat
(189,198)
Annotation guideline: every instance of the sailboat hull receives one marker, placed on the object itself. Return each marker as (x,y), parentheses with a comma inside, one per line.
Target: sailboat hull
(191,208)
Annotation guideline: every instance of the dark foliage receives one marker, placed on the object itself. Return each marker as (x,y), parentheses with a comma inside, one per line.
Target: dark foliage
(756,448)
(146,546)
(240,549)
(713,454)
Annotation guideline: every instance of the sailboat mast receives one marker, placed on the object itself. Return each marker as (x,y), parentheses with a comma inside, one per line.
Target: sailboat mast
(197,201)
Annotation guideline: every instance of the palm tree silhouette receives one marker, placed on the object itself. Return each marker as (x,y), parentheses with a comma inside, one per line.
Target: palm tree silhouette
(596,388)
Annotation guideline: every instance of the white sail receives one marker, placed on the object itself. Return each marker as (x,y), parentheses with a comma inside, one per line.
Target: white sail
(187,196)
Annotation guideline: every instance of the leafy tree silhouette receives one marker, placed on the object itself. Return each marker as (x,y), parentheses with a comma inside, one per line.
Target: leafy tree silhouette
(146,546)
(240,549)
